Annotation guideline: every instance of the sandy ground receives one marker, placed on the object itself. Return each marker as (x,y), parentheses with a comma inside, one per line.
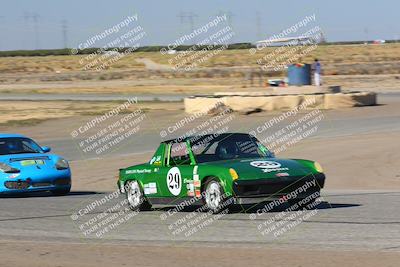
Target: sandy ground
(32,112)
(358,67)
(190,86)
(352,58)
(38,254)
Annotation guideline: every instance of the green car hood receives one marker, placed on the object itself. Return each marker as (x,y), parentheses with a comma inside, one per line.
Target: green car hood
(262,168)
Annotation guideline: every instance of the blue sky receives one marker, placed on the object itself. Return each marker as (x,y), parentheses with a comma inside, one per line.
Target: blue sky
(341,20)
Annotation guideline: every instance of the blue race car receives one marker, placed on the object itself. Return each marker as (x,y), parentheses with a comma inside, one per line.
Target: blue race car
(25,167)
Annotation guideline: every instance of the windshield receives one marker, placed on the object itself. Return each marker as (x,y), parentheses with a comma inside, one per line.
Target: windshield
(227,146)
(18,145)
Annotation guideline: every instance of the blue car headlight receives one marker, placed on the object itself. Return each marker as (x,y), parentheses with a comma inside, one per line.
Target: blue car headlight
(62,164)
(7,168)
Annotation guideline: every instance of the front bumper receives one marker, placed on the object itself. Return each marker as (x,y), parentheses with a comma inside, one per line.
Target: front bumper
(36,184)
(261,190)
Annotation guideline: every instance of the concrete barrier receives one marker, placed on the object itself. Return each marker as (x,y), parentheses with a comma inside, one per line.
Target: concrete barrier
(348,100)
(201,103)
(280,102)
(290,90)
(265,103)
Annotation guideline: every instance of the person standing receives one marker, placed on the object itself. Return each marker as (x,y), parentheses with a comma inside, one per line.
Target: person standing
(317,68)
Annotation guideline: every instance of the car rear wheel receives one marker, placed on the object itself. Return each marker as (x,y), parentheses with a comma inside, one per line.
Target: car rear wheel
(214,196)
(134,195)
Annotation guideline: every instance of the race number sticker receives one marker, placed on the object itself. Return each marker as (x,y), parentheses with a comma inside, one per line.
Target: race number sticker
(174,181)
(264,164)
(268,166)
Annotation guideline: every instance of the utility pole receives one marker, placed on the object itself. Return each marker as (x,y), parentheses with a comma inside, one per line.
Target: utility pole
(188,17)
(366,31)
(25,37)
(1,24)
(26,17)
(229,17)
(64,30)
(191,17)
(258,25)
(323,39)
(36,18)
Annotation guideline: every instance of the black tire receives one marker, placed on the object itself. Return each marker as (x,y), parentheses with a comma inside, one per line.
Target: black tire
(61,192)
(135,196)
(214,197)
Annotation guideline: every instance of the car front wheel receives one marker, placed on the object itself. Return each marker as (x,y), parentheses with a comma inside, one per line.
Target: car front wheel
(135,196)
(214,196)
(61,192)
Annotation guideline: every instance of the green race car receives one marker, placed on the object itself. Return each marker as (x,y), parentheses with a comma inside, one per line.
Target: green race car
(211,169)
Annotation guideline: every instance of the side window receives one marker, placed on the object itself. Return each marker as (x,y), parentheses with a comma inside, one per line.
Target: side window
(179,154)
(28,146)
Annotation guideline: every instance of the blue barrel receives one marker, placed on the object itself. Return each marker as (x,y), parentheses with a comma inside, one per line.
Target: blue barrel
(299,74)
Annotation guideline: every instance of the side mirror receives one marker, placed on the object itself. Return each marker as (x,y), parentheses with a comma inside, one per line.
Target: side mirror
(46,149)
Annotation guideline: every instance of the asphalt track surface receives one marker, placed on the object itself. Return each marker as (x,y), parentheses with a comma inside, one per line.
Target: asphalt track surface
(346,220)
(349,220)
(334,124)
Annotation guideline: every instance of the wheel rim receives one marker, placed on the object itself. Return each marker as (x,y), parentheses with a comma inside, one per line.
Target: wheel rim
(213,195)
(134,194)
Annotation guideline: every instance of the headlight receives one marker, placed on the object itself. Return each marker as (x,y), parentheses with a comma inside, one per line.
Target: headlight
(318,167)
(62,164)
(7,168)
(234,174)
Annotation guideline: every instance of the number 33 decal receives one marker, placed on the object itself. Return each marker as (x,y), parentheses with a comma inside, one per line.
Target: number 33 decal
(174,181)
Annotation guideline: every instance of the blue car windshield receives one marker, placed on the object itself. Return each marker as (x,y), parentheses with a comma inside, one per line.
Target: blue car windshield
(18,145)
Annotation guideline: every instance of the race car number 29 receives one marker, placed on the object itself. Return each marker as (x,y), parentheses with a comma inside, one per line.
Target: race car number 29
(174,181)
